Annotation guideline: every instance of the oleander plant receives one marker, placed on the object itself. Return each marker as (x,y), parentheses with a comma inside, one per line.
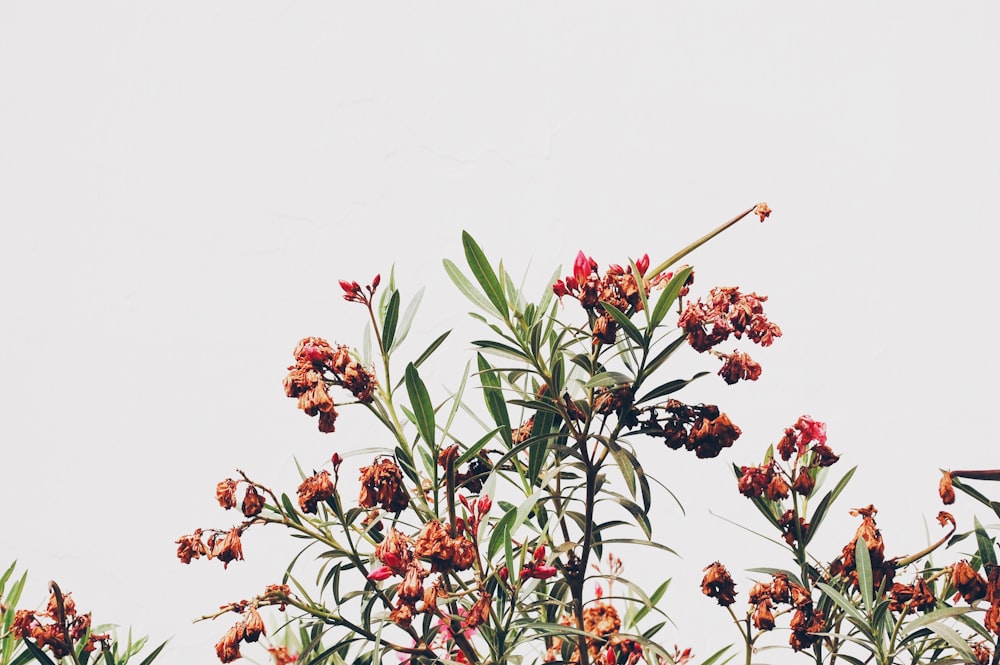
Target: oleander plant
(484,525)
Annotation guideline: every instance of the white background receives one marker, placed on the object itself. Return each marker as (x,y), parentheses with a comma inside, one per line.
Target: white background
(181,185)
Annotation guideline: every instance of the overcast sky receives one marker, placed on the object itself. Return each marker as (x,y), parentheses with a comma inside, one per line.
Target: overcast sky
(182,183)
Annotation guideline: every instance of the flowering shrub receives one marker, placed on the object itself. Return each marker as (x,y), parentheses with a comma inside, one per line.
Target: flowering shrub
(497,547)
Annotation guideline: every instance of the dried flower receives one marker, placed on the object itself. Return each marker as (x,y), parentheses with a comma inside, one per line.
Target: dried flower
(739,366)
(313,490)
(945,489)
(228,648)
(191,547)
(718,584)
(382,484)
(763,618)
(253,502)
(229,548)
(969,583)
(282,656)
(254,626)
(225,493)
(762,210)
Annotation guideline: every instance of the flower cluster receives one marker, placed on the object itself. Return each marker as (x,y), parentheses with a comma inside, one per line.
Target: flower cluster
(318,365)
(971,586)
(765,596)
(701,428)
(59,628)
(728,312)
(382,485)
(316,488)
(617,287)
(883,570)
(253,501)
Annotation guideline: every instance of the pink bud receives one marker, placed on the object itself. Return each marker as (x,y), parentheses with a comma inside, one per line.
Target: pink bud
(336,460)
(313,353)
(484,504)
(392,560)
(581,267)
(376,281)
(349,287)
(598,591)
(379,574)
(616,269)
(543,572)
(539,554)
(503,573)
(610,658)
(559,288)
(643,264)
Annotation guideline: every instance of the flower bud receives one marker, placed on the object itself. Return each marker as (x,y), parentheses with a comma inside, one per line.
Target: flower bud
(379,574)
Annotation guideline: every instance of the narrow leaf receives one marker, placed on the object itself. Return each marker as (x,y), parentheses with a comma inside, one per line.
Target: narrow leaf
(390,321)
(863,564)
(484,274)
(467,288)
(420,401)
(669,295)
(623,322)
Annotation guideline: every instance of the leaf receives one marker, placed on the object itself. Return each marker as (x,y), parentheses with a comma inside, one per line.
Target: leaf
(420,401)
(431,349)
(153,654)
(636,511)
(624,323)
(484,274)
(987,549)
(825,503)
(954,640)
(771,571)
(493,396)
(669,295)
(863,563)
(36,652)
(858,619)
(501,532)
(668,388)
(605,379)
(390,321)
(936,615)
(406,321)
(503,350)
(467,288)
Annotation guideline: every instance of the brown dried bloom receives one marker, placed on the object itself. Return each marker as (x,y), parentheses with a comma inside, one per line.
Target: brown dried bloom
(762,210)
(253,502)
(804,483)
(763,617)
(718,584)
(945,489)
(479,613)
(727,312)
(602,620)
(229,548)
(313,490)
(225,493)
(435,543)
(394,551)
(918,595)
(402,614)
(382,484)
(969,583)
(982,652)
(228,648)
(412,586)
(804,623)
(191,547)
(254,626)
(737,366)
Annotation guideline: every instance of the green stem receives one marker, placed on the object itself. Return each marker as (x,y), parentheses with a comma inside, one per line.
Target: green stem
(698,243)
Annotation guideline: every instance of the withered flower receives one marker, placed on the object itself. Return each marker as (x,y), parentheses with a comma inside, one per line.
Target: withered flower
(412,586)
(191,547)
(479,613)
(799,596)
(969,583)
(709,437)
(229,548)
(791,529)
(253,502)
(718,584)
(982,652)
(787,444)
(402,614)
(737,366)
(313,490)
(382,484)
(777,489)
(604,330)
(804,483)
(992,619)
(281,655)
(254,627)
(228,648)
(780,590)
(763,618)
(394,551)
(522,433)
(804,623)
(225,493)
(918,595)
(762,210)
(945,489)
(823,455)
(753,480)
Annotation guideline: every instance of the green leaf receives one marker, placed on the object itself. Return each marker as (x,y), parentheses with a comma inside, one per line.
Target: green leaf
(501,532)
(956,641)
(936,615)
(858,619)
(863,564)
(493,396)
(987,549)
(390,321)
(468,289)
(825,503)
(36,652)
(503,349)
(668,388)
(624,323)
(420,401)
(711,660)
(290,509)
(484,274)
(669,295)
(771,571)
(153,654)
(406,321)
(636,511)
(605,379)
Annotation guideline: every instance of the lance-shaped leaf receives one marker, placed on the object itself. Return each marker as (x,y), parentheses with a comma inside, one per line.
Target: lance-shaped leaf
(484,274)
(863,563)
(420,401)
(667,298)
(390,321)
(624,322)
(494,397)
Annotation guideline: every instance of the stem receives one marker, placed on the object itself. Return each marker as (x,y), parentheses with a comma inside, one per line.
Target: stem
(698,243)
(54,588)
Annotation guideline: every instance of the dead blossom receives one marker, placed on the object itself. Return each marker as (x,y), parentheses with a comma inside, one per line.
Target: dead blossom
(253,502)
(382,485)
(318,364)
(229,548)
(945,489)
(969,583)
(718,584)
(727,312)
(701,428)
(313,490)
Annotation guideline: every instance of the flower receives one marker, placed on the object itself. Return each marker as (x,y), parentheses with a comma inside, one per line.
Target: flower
(718,584)
(382,484)
(282,656)
(229,548)
(969,583)
(191,547)
(228,648)
(762,210)
(225,493)
(945,489)
(739,366)
(313,490)
(253,502)
(254,626)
